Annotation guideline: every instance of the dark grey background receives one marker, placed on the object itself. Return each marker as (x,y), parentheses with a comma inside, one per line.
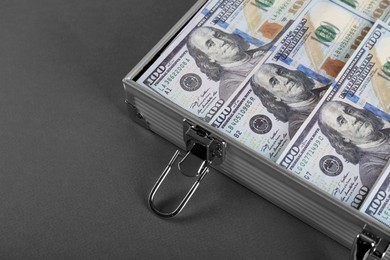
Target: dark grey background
(76,172)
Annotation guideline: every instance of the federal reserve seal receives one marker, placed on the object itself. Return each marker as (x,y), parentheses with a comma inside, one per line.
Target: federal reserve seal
(331,165)
(260,124)
(190,82)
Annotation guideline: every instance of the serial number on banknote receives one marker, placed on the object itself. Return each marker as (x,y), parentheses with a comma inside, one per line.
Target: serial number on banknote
(240,115)
(169,79)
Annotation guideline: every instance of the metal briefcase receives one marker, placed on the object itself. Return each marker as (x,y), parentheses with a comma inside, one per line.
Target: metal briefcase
(205,147)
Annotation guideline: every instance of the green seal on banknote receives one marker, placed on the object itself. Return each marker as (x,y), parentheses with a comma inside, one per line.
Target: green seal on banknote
(326,32)
(386,68)
(351,3)
(265,3)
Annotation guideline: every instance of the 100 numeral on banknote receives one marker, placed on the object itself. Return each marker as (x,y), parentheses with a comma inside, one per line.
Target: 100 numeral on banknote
(376,9)
(377,204)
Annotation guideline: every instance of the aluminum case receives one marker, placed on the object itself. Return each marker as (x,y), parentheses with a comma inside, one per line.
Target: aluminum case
(260,175)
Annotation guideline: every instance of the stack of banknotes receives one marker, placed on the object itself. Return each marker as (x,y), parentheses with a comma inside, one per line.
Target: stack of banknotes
(304,83)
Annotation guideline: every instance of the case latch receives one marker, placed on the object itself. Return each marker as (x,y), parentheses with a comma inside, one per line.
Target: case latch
(203,150)
(369,244)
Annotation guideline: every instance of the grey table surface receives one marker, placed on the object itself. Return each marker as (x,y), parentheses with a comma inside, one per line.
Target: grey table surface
(76,172)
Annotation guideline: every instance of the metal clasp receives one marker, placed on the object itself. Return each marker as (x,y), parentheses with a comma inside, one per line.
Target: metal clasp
(369,245)
(203,150)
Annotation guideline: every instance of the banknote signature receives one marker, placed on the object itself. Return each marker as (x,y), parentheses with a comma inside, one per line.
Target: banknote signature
(274,143)
(345,187)
(204,100)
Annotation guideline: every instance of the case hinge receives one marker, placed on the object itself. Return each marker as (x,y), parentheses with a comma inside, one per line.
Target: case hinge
(203,150)
(369,244)
(135,115)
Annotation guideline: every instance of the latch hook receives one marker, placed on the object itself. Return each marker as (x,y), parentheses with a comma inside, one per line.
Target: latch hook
(186,198)
(203,150)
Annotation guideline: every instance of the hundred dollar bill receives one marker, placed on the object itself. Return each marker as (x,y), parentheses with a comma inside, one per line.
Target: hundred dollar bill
(377,203)
(323,40)
(342,147)
(289,82)
(376,9)
(247,120)
(215,52)
(259,21)
(369,84)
